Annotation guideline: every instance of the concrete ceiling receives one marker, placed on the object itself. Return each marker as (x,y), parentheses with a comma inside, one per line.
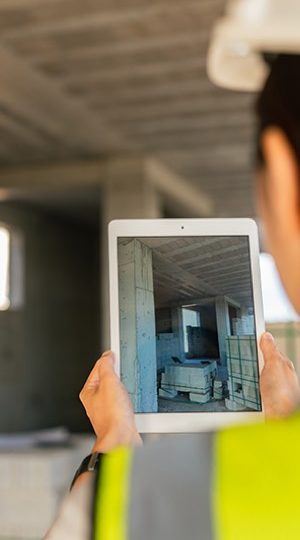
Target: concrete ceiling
(88,78)
(193,269)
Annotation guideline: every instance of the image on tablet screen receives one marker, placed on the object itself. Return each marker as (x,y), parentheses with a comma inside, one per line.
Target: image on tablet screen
(187,326)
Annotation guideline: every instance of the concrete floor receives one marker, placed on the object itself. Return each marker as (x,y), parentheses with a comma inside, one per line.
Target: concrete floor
(182,404)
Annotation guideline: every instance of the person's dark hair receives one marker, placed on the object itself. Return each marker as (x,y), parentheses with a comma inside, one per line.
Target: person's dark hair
(279,102)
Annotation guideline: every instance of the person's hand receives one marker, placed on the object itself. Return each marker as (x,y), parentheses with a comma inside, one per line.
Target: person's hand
(279,383)
(108,406)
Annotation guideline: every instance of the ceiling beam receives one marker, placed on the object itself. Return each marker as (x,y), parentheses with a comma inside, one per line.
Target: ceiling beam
(167,269)
(187,124)
(140,45)
(242,268)
(19,4)
(166,182)
(155,69)
(134,91)
(207,259)
(175,107)
(192,160)
(72,70)
(21,133)
(197,140)
(39,100)
(114,17)
(217,167)
(175,187)
(32,177)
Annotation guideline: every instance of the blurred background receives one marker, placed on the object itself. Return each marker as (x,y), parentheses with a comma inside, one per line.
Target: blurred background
(105,112)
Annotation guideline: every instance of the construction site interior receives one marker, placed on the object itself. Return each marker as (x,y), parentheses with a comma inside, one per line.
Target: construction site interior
(187,318)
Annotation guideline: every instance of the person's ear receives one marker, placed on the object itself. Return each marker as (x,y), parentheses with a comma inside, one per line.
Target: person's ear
(282,182)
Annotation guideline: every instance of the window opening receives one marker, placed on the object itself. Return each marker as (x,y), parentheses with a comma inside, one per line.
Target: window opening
(11,269)
(4,268)
(189,318)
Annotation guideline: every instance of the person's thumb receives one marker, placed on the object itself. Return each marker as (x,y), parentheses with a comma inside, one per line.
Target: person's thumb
(268,347)
(104,364)
(106,361)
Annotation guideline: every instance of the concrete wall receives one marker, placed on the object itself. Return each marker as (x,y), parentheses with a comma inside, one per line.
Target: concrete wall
(163,318)
(203,343)
(167,345)
(223,326)
(48,346)
(208,317)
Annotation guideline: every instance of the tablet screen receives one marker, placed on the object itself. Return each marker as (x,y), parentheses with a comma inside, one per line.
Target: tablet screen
(187,326)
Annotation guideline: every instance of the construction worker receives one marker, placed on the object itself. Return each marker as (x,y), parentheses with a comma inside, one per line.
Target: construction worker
(239,483)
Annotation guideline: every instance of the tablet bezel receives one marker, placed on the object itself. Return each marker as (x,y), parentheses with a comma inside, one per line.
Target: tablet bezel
(139,228)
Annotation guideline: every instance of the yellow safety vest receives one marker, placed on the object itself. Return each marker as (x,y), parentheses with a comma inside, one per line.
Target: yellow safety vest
(254,492)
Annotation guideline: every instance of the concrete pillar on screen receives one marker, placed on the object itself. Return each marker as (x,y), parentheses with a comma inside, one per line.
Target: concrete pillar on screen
(178,330)
(125,194)
(137,325)
(223,326)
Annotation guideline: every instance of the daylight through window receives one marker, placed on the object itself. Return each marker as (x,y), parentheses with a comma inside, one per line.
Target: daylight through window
(4,268)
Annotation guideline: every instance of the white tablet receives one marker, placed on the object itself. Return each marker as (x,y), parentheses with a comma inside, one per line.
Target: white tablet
(186,316)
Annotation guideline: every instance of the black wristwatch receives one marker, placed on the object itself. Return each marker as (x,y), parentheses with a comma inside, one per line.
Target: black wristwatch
(89,464)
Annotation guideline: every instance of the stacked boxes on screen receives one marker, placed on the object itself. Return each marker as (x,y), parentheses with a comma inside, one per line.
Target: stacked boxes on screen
(242,364)
(218,391)
(197,380)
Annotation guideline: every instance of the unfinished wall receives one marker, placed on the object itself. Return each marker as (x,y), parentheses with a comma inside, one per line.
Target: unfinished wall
(167,345)
(48,346)
(223,326)
(208,316)
(163,321)
(203,343)
(167,342)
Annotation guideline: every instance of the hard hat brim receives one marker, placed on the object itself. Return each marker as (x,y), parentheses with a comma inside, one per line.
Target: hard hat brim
(235,53)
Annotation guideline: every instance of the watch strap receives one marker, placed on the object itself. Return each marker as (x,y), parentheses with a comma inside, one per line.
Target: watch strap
(89,464)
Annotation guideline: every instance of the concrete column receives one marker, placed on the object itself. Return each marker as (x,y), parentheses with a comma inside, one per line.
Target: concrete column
(137,325)
(177,327)
(126,194)
(223,326)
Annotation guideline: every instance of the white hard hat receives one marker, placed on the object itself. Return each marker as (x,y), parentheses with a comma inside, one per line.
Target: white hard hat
(248,29)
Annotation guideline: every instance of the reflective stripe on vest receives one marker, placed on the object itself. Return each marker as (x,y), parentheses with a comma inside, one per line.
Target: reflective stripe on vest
(256,488)
(112,496)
